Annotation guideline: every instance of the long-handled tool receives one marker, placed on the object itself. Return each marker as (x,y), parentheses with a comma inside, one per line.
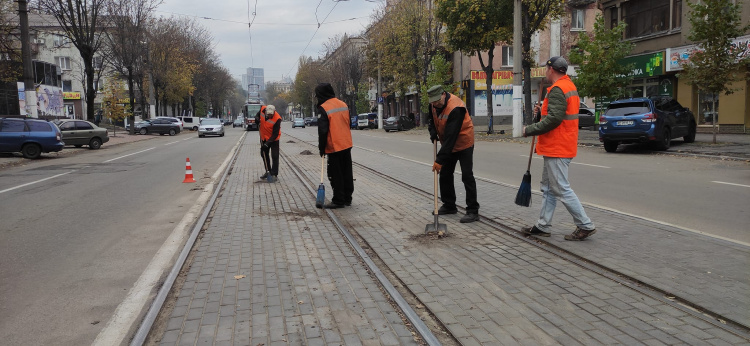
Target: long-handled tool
(435,226)
(321,197)
(269,177)
(523,197)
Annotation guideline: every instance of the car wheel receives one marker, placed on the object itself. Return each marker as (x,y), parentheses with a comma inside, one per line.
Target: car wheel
(172,132)
(221,135)
(31,151)
(95,143)
(690,138)
(195,128)
(665,141)
(78,145)
(143,131)
(610,146)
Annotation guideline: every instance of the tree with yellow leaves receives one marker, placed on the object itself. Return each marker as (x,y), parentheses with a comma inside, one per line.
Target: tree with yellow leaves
(115,111)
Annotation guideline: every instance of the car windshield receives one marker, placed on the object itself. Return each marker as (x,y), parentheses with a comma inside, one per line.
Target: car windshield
(211,121)
(391,119)
(627,108)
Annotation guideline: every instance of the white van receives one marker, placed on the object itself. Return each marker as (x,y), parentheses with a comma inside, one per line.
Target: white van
(191,122)
(362,121)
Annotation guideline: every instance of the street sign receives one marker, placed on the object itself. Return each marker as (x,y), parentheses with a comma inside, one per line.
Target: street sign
(380,99)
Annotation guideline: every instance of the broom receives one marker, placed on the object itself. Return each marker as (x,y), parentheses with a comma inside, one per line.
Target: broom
(269,177)
(320,199)
(523,197)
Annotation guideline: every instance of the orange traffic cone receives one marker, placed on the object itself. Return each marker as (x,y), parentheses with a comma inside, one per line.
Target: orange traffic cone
(188,172)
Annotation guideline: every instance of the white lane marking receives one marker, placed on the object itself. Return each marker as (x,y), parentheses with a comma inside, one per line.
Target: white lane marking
(420,142)
(34,182)
(573,162)
(127,313)
(137,152)
(723,182)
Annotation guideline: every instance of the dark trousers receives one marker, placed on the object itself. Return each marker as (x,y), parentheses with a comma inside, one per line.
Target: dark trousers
(448,191)
(340,176)
(273,147)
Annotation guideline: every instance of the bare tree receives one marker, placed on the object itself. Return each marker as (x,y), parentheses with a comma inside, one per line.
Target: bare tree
(10,52)
(81,21)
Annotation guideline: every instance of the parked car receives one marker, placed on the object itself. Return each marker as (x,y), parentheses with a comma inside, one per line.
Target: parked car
(211,126)
(586,116)
(401,123)
(298,122)
(191,123)
(174,120)
(238,122)
(30,137)
(311,121)
(158,125)
(655,119)
(137,126)
(81,132)
(227,121)
(367,121)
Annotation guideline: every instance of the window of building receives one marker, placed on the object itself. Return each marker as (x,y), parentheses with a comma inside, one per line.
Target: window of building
(648,17)
(67,86)
(677,14)
(60,40)
(613,17)
(507,56)
(98,62)
(577,19)
(63,62)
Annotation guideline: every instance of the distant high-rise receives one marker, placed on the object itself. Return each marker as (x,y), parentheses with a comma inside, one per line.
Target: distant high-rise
(254,76)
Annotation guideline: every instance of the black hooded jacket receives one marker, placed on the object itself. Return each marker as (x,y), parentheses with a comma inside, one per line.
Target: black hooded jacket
(323,92)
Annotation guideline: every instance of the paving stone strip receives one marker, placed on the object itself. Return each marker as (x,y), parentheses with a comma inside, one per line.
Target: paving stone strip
(272,269)
(490,288)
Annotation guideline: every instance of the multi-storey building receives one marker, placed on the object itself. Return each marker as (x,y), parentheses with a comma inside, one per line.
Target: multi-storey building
(660,29)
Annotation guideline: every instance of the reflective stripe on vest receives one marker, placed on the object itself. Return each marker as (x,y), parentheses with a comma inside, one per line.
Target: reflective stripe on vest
(466,136)
(563,140)
(266,125)
(339,132)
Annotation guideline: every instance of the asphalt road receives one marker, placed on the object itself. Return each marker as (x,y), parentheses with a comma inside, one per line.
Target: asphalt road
(81,234)
(699,194)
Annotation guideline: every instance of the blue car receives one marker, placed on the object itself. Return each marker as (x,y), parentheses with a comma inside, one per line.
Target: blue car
(31,137)
(655,120)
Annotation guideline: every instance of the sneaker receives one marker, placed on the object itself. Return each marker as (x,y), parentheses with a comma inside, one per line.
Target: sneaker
(264,176)
(470,218)
(533,230)
(580,234)
(445,210)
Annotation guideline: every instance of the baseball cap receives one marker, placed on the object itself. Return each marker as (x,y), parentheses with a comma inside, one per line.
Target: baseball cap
(558,64)
(270,109)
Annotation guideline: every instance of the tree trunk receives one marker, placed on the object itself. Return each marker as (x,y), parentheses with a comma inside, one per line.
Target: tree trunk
(131,94)
(489,71)
(713,106)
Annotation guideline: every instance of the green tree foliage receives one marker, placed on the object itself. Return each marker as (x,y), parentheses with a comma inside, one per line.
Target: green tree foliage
(363,99)
(714,67)
(476,26)
(440,74)
(600,73)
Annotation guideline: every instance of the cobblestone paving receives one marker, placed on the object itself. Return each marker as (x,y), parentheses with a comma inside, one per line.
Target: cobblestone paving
(272,269)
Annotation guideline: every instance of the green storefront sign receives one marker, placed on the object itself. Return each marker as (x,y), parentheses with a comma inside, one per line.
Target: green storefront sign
(644,66)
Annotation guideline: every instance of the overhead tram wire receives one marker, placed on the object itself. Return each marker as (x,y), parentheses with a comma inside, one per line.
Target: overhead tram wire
(249,27)
(316,31)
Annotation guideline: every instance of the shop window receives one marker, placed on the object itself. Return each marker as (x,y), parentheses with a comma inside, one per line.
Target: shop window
(507,56)
(577,19)
(706,108)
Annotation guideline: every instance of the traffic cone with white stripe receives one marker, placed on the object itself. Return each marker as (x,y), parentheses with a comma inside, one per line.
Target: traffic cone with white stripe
(188,172)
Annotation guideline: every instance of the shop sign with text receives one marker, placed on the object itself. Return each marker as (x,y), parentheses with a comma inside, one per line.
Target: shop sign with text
(68,95)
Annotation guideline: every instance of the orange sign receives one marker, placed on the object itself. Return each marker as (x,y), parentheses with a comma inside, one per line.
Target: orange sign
(71,95)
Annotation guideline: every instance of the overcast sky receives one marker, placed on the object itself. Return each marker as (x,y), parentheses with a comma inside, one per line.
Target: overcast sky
(281,29)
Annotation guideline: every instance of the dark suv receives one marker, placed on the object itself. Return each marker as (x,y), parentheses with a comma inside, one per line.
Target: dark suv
(655,119)
(31,137)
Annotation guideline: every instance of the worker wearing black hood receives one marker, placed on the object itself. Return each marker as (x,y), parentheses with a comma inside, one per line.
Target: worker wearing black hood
(335,141)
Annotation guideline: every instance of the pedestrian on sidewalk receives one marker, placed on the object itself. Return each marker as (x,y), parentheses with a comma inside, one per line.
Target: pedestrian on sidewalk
(270,133)
(558,144)
(450,123)
(335,141)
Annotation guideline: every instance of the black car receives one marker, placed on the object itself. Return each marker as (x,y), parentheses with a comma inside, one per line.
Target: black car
(655,119)
(159,125)
(311,121)
(401,123)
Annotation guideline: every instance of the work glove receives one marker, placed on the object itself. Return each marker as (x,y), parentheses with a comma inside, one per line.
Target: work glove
(436,167)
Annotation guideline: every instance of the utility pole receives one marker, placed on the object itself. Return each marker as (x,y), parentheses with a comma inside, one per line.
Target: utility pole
(378,96)
(28,66)
(517,54)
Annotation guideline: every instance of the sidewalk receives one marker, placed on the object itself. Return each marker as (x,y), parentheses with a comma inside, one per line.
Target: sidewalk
(271,268)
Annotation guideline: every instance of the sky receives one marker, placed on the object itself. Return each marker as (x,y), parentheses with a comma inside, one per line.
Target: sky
(281,30)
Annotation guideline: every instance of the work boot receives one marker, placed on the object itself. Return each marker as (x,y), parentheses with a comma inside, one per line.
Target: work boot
(470,217)
(580,234)
(446,210)
(333,206)
(264,176)
(533,230)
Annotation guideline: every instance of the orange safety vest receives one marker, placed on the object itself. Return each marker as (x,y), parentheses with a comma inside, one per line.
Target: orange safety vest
(563,140)
(466,137)
(266,125)
(339,131)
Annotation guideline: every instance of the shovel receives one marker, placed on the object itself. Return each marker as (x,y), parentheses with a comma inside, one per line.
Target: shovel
(436,226)
(321,198)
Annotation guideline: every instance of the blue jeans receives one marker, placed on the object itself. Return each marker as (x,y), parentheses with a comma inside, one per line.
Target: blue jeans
(555,186)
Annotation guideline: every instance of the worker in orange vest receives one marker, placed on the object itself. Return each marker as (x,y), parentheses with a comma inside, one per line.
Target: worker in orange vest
(270,133)
(450,123)
(335,141)
(558,144)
